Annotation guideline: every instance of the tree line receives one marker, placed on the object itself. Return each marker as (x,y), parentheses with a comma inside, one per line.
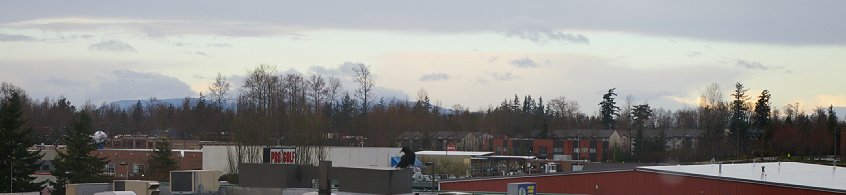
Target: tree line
(272,108)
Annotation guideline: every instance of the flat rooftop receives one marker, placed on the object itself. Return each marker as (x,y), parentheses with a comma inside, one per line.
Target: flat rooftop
(452,153)
(783,173)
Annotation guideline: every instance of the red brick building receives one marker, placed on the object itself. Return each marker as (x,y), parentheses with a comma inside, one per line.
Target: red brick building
(592,145)
(542,148)
(134,161)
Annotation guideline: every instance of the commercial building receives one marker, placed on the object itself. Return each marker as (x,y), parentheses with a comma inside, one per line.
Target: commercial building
(749,178)
(134,161)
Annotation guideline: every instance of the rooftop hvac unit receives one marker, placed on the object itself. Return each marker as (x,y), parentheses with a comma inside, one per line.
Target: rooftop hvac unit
(87,188)
(137,186)
(194,181)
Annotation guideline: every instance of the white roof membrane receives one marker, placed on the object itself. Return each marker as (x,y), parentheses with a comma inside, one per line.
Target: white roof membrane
(789,173)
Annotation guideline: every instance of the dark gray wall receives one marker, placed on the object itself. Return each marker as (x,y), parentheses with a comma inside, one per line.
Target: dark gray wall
(276,175)
(373,180)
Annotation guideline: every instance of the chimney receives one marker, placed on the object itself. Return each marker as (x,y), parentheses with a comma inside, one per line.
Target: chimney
(763,173)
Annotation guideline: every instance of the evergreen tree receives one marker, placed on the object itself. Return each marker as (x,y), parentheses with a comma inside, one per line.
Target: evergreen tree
(761,117)
(540,110)
(739,122)
(640,115)
(137,116)
(515,106)
(659,146)
(16,162)
(608,109)
(161,163)
(76,165)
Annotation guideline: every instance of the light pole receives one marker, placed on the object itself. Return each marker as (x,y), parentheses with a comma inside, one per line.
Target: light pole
(432,164)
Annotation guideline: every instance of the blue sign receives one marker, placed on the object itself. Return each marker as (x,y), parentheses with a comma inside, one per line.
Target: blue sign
(527,189)
(523,188)
(396,159)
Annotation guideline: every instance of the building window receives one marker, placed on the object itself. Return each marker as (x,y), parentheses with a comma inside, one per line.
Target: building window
(110,168)
(558,150)
(138,169)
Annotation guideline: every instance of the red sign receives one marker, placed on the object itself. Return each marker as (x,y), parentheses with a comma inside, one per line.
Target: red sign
(283,156)
(450,147)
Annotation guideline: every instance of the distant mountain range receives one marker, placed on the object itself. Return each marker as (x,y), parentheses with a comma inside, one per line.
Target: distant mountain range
(176,102)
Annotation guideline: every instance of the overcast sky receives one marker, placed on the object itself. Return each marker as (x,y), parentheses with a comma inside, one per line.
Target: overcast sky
(473,53)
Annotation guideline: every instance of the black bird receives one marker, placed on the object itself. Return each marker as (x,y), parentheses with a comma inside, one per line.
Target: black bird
(407,158)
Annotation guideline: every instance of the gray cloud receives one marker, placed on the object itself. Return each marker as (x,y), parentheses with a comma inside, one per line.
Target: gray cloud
(694,54)
(200,53)
(126,84)
(112,46)
(12,38)
(65,82)
(809,22)
(504,76)
(434,77)
(524,63)
(754,65)
(540,32)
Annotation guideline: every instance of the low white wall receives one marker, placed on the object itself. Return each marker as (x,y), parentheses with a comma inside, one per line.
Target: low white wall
(217,157)
(361,156)
(22,193)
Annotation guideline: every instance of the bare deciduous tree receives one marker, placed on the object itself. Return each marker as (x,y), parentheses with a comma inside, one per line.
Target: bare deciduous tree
(364,78)
(219,91)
